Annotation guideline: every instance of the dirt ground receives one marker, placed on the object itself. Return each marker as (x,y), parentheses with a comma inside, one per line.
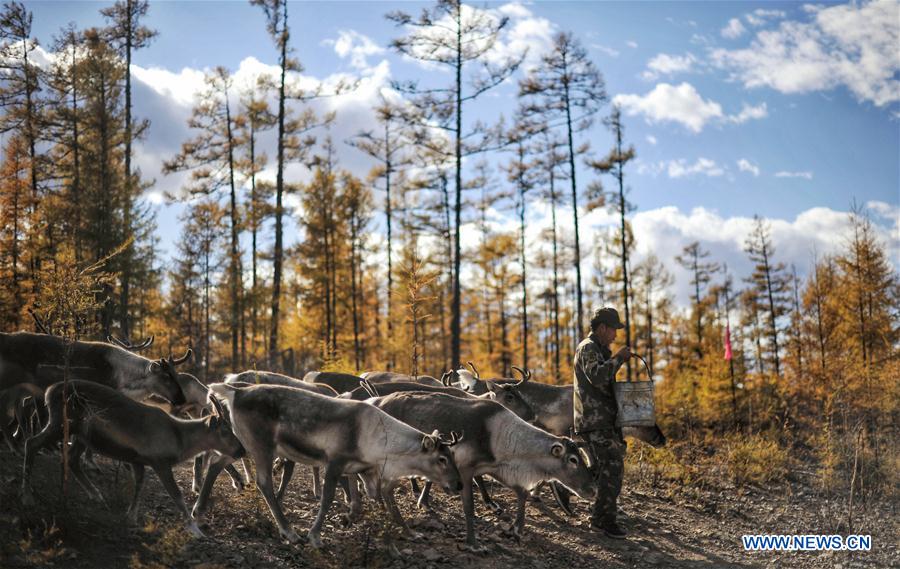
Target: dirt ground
(669,526)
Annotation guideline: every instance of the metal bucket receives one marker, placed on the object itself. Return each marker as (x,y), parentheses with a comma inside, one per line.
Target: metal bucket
(634,400)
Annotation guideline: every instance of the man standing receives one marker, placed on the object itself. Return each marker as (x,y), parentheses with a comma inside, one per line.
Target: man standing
(595,415)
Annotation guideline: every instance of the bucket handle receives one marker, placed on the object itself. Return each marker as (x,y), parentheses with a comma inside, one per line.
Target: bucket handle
(646,367)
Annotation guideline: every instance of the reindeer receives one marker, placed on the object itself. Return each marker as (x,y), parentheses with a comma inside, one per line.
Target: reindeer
(495,443)
(120,428)
(42,359)
(344,437)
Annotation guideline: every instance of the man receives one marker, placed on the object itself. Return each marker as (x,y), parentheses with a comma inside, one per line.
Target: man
(595,415)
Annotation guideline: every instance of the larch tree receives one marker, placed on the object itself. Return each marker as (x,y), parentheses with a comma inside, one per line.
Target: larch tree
(388,148)
(457,37)
(614,163)
(770,282)
(14,199)
(211,158)
(254,118)
(520,174)
(22,107)
(566,90)
(692,258)
(126,34)
(550,160)
(294,142)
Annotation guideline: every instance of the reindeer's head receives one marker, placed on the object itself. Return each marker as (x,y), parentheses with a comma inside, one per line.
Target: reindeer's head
(162,378)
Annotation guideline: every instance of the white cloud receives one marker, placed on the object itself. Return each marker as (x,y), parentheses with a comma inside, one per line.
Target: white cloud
(680,168)
(749,113)
(651,139)
(632,44)
(806,175)
(612,52)
(166,97)
(733,30)
(852,45)
(759,16)
(665,64)
(356,46)
(745,165)
(669,103)
(703,166)
(665,231)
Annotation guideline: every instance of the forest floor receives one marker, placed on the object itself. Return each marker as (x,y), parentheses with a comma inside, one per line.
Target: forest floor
(670,525)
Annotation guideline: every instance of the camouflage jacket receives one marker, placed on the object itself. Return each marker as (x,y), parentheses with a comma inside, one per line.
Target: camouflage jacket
(595,400)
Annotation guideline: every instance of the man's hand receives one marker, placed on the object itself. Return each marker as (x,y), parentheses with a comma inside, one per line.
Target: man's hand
(623,354)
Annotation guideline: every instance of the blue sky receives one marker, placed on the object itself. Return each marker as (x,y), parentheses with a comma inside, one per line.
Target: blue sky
(785,110)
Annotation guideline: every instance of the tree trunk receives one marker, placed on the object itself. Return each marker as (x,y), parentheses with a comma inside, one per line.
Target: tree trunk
(279,210)
(457,249)
(235,274)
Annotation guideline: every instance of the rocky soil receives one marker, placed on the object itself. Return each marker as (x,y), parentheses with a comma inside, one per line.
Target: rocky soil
(670,526)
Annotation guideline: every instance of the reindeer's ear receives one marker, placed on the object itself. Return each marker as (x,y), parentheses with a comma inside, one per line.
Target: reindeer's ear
(557,450)
(429,443)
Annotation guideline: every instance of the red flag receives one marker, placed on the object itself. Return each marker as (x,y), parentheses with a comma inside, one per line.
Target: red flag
(727,341)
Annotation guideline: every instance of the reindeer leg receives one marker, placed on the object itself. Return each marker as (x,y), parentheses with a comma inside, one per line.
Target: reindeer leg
(137,471)
(197,481)
(75,461)
(168,481)
(236,481)
(332,474)
(212,472)
(317,483)
(469,509)
(286,474)
(356,505)
(51,433)
(263,463)
(517,527)
(387,494)
(486,497)
(424,500)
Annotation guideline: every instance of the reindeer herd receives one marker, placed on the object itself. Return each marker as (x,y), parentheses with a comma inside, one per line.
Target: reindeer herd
(366,434)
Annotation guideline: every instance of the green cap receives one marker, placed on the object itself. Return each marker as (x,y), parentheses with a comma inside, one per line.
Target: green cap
(608,316)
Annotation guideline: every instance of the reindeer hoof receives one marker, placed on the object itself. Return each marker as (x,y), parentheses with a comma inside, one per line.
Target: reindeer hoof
(474,548)
(512,530)
(194,529)
(290,536)
(315,541)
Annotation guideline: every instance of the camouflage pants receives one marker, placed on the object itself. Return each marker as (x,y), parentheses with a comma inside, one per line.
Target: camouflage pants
(607,453)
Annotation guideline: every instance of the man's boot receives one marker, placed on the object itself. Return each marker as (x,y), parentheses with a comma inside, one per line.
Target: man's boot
(610,529)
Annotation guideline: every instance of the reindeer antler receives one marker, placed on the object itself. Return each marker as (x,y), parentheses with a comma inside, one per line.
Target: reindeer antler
(178,361)
(474,370)
(370,389)
(526,374)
